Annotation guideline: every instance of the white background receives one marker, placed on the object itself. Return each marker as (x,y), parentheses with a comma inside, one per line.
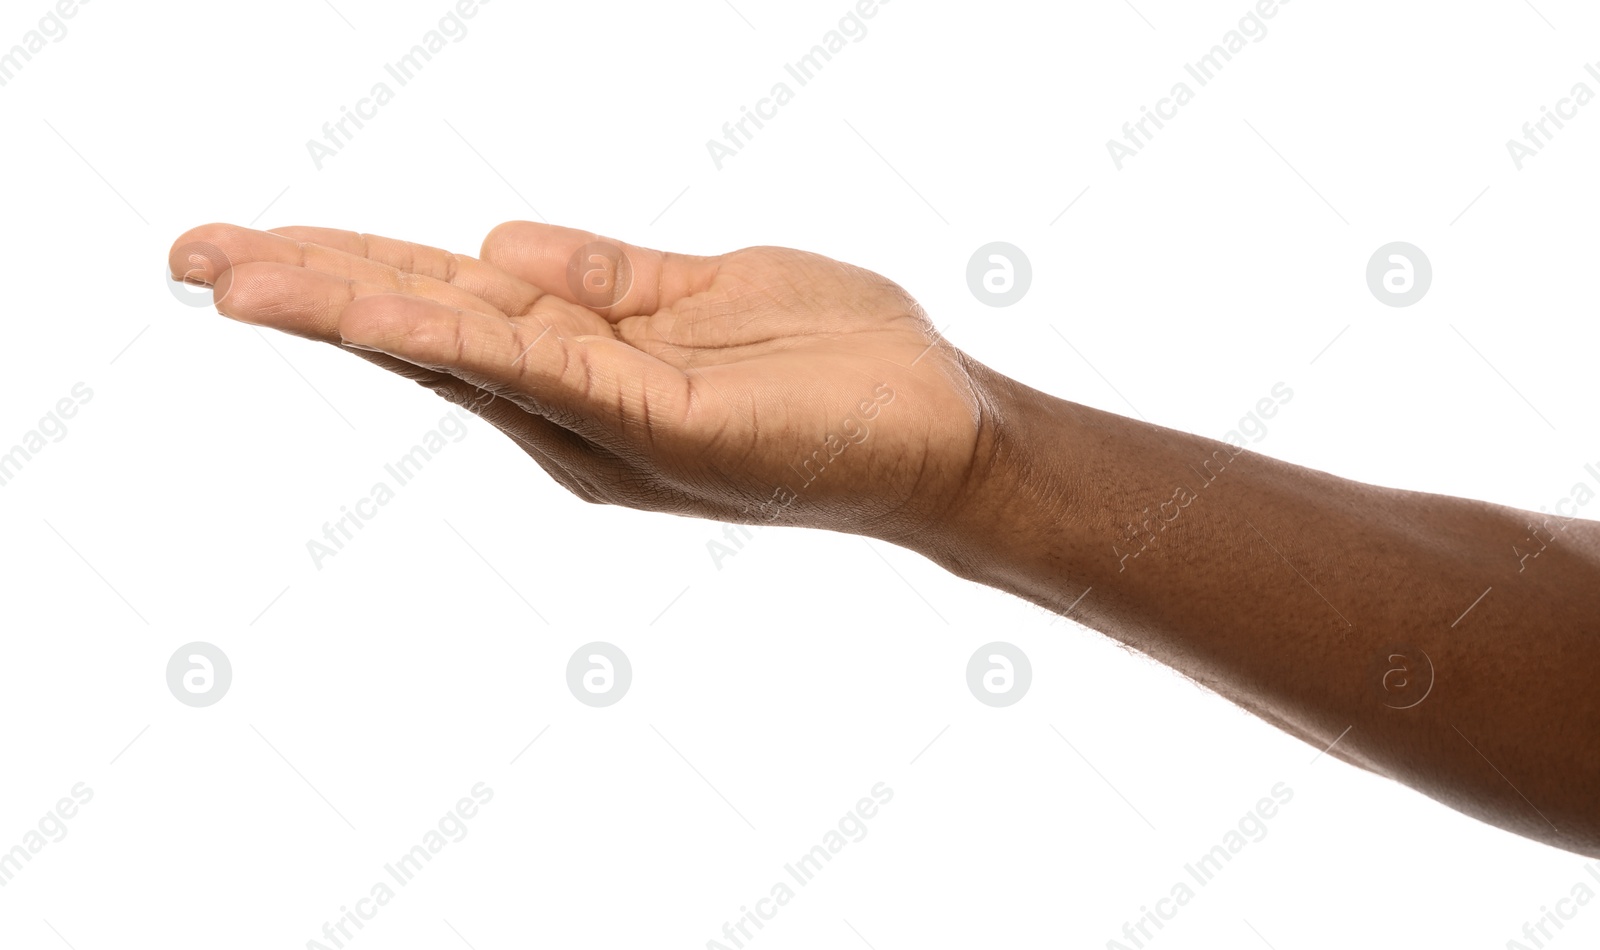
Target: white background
(772,692)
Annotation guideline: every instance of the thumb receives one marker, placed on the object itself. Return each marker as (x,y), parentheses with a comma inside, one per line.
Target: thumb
(613,279)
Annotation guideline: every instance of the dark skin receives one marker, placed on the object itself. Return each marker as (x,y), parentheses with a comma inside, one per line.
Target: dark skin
(701,386)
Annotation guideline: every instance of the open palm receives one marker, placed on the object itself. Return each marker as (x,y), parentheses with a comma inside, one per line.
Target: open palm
(763,385)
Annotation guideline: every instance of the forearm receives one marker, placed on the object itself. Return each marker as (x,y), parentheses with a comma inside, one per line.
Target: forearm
(1289,591)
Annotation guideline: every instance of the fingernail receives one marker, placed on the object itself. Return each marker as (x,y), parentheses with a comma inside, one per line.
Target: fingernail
(360,346)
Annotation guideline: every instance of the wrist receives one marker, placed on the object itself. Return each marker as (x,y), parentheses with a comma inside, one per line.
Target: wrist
(1016,510)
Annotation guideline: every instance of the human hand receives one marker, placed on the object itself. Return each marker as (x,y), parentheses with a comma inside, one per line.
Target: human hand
(770,385)
(762,385)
